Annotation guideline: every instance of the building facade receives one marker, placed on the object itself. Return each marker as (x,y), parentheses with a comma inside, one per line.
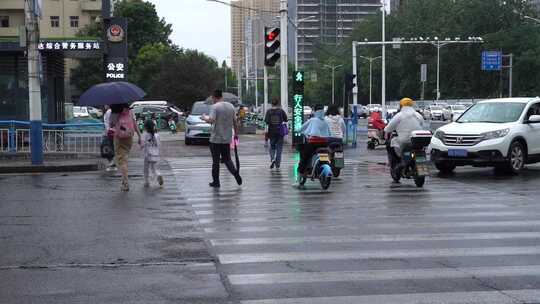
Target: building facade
(248,19)
(60,19)
(328,22)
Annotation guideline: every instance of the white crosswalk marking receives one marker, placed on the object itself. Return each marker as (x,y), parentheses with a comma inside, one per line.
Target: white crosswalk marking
(486,297)
(365,241)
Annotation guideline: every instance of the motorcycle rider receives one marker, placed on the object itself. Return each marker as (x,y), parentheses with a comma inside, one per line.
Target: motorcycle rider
(316,131)
(404,123)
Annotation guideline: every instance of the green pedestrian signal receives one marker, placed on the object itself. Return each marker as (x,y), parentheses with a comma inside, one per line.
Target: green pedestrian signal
(299,77)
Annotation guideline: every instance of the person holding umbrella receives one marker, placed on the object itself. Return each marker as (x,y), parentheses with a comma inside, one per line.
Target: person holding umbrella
(119,95)
(125,127)
(223,120)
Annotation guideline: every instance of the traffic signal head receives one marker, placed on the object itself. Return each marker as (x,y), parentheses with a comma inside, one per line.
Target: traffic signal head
(271,46)
(349,81)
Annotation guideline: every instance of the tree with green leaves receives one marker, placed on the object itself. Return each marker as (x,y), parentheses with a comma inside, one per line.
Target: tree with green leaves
(498,22)
(144,25)
(144,28)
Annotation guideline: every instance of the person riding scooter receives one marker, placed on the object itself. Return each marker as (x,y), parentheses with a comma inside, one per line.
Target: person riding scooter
(404,123)
(316,131)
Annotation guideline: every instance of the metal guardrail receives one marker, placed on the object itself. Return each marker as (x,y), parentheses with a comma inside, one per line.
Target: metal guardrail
(84,138)
(4,140)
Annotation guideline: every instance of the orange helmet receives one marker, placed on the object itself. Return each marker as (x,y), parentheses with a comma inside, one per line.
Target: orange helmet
(406,102)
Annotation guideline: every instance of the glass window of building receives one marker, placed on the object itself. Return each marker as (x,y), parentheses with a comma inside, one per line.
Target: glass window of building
(55,21)
(4,21)
(74,21)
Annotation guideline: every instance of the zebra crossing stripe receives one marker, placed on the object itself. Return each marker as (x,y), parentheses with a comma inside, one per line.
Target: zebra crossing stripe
(257,257)
(277,217)
(427,225)
(380,275)
(376,238)
(474,297)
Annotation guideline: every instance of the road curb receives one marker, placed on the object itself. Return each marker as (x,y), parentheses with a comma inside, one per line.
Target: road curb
(83,167)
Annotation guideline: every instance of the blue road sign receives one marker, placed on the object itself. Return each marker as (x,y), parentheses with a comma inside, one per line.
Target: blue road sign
(491,61)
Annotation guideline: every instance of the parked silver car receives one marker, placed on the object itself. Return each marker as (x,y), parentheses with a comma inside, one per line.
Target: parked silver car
(196,128)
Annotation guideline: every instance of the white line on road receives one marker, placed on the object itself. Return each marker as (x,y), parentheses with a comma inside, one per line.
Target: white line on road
(380,275)
(377,238)
(426,225)
(256,257)
(473,297)
(278,217)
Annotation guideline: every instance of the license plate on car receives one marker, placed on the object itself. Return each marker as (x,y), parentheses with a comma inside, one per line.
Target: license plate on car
(457,153)
(421,159)
(339,155)
(324,157)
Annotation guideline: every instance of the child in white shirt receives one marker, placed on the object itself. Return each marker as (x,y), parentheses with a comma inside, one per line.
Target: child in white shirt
(151,145)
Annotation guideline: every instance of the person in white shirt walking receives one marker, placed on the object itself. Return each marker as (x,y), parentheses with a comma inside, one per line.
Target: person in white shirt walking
(151,145)
(109,134)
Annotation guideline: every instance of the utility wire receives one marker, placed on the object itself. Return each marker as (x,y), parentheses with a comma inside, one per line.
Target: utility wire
(243,7)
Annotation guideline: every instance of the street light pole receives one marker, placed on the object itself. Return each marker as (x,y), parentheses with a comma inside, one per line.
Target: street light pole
(437,43)
(239,79)
(383,94)
(333,67)
(370,59)
(256,77)
(355,70)
(438,70)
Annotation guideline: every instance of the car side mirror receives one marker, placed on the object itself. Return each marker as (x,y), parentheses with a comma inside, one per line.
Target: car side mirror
(534,119)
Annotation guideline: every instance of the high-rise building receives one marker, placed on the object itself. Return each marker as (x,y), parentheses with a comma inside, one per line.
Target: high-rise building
(248,19)
(328,22)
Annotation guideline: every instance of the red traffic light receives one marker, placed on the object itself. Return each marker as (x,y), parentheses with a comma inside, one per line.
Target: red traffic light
(272,34)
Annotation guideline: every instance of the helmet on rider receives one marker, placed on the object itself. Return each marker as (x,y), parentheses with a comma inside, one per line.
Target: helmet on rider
(406,102)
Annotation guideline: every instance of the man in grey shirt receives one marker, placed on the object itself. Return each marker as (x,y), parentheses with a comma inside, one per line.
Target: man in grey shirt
(223,120)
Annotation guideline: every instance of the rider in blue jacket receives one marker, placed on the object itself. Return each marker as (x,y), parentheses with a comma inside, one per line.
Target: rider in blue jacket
(313,128)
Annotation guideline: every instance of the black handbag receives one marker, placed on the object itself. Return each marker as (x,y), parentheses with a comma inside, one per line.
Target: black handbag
(107,147)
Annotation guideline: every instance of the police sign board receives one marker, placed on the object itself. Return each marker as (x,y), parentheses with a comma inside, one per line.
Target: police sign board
(115,49)
(491,61)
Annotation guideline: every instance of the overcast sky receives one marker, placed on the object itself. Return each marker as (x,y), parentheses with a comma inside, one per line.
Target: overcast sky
(199,24)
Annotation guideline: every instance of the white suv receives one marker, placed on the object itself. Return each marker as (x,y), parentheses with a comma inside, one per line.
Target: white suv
(500,133)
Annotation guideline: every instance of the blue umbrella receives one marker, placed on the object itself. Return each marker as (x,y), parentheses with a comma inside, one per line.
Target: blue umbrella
(110,93)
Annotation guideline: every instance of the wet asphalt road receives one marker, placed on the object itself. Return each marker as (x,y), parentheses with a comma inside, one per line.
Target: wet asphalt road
(469,238)
(472,237)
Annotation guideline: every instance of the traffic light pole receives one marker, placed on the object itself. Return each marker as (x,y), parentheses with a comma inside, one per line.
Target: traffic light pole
(355,71)
(265,105)
(284,58)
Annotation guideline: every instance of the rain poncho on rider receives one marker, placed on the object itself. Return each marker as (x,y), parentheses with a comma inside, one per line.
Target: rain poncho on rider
(314,127)
(404,123)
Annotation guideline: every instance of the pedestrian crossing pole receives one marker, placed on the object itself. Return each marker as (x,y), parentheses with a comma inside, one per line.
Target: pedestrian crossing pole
(32,10)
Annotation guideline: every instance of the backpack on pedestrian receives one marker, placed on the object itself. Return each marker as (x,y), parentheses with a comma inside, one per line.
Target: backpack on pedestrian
(276,123)
(124,127)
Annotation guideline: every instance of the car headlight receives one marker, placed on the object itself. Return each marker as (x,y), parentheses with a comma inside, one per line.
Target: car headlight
(190,122)
(439,135)
(495,134)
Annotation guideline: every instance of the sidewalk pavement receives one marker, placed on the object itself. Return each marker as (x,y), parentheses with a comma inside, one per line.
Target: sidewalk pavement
(75,238)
